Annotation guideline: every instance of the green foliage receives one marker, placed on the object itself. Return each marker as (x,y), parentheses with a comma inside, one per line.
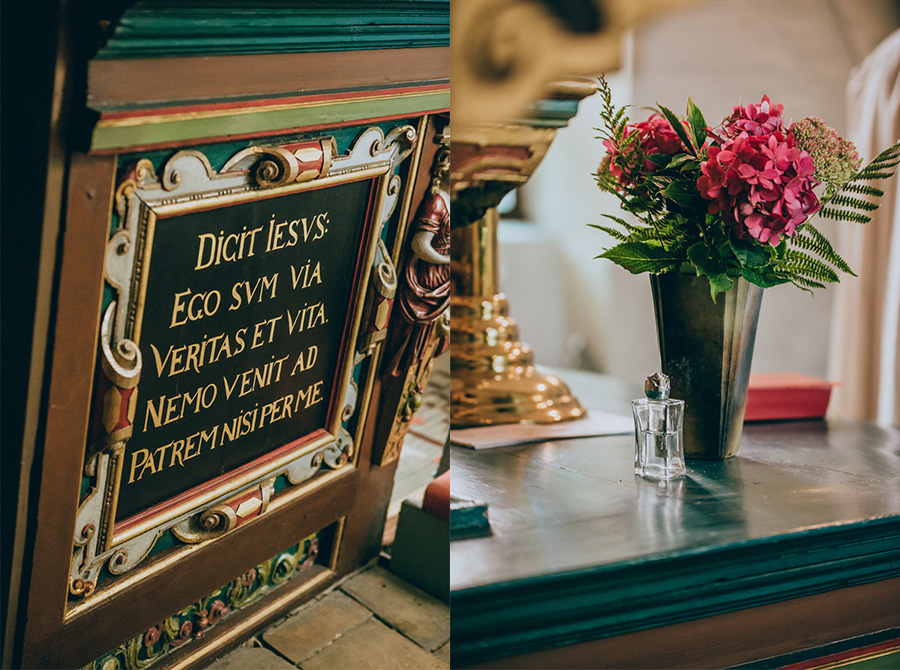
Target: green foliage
(638,257)
(673,231)
(675,122)
(810,239)
(698,124)
(845,205)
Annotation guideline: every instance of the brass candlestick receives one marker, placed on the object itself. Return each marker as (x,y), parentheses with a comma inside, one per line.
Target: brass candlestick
(493,377)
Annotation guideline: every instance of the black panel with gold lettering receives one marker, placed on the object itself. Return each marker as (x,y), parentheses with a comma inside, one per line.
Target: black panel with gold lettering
(245,312)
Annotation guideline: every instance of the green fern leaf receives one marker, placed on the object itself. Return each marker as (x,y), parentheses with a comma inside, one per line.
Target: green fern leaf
(844,215)
(862,189)
(883,166)
(844,207)
(800,264)
(812,240)
(842,200)
(622,222)
(806,284)
(612,232)
(884,174)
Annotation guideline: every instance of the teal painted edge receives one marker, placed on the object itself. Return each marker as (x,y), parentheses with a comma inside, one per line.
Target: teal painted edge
(546,612)
(552,113)
(158,28)
(252,122)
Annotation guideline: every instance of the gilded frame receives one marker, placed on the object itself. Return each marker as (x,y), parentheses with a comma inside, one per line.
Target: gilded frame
(188,183)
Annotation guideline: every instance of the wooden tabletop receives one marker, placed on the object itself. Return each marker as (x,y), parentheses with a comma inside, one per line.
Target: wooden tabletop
(582,548)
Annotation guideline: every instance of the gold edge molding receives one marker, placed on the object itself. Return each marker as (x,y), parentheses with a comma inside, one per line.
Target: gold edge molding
(374,234)
(170,209)
(128,581)
(406,205)
(336,543)
(144,276)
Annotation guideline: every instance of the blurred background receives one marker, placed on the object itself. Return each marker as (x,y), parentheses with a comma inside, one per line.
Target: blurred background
(801,53)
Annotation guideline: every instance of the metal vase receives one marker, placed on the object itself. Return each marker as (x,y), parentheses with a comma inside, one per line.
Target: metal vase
(706,348)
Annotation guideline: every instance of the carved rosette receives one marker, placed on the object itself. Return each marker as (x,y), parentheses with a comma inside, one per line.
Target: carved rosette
(187,177)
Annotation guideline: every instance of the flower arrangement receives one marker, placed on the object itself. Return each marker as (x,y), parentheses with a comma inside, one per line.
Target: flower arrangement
(733,200)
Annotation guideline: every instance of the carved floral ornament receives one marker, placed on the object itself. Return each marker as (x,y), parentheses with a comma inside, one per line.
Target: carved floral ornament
(188,183)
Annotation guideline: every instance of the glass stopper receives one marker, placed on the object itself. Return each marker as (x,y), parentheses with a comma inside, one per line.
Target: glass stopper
(656,386)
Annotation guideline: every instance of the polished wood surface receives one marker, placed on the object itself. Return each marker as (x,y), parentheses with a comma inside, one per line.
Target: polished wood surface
(116,84)
(575,504)
(583,549)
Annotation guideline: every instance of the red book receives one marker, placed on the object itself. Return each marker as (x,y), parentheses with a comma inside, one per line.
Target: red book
(785,395)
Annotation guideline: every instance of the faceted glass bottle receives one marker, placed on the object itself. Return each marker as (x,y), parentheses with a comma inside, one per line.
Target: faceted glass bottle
(658,421)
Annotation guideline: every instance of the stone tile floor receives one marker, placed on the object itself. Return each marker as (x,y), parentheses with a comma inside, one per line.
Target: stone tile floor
(372,620)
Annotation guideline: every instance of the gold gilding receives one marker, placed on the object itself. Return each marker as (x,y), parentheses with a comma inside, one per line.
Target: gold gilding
(493,379)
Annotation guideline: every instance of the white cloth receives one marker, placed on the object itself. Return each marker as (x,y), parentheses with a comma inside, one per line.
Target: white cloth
(866,333)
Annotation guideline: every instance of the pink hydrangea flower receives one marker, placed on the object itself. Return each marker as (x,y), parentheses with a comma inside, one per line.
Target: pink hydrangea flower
(755,120)
(656,136)
(761,184)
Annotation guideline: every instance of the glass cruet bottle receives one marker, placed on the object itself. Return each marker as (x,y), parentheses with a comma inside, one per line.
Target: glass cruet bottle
(658,421)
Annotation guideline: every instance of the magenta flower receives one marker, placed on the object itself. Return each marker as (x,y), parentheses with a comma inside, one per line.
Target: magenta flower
(655,136)
(761,185)
(658,136)
(755,120)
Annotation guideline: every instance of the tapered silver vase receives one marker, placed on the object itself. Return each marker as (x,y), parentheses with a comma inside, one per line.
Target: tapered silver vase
(706,349)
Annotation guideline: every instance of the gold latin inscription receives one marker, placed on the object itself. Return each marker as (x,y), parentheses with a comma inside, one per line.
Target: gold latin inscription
(179,357)
(213,249)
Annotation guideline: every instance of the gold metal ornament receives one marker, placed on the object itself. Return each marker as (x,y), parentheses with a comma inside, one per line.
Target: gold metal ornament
(493,378)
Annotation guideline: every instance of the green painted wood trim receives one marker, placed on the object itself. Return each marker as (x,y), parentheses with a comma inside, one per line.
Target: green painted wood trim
(552,113)
(160,28)
(160,131)
(551,611)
